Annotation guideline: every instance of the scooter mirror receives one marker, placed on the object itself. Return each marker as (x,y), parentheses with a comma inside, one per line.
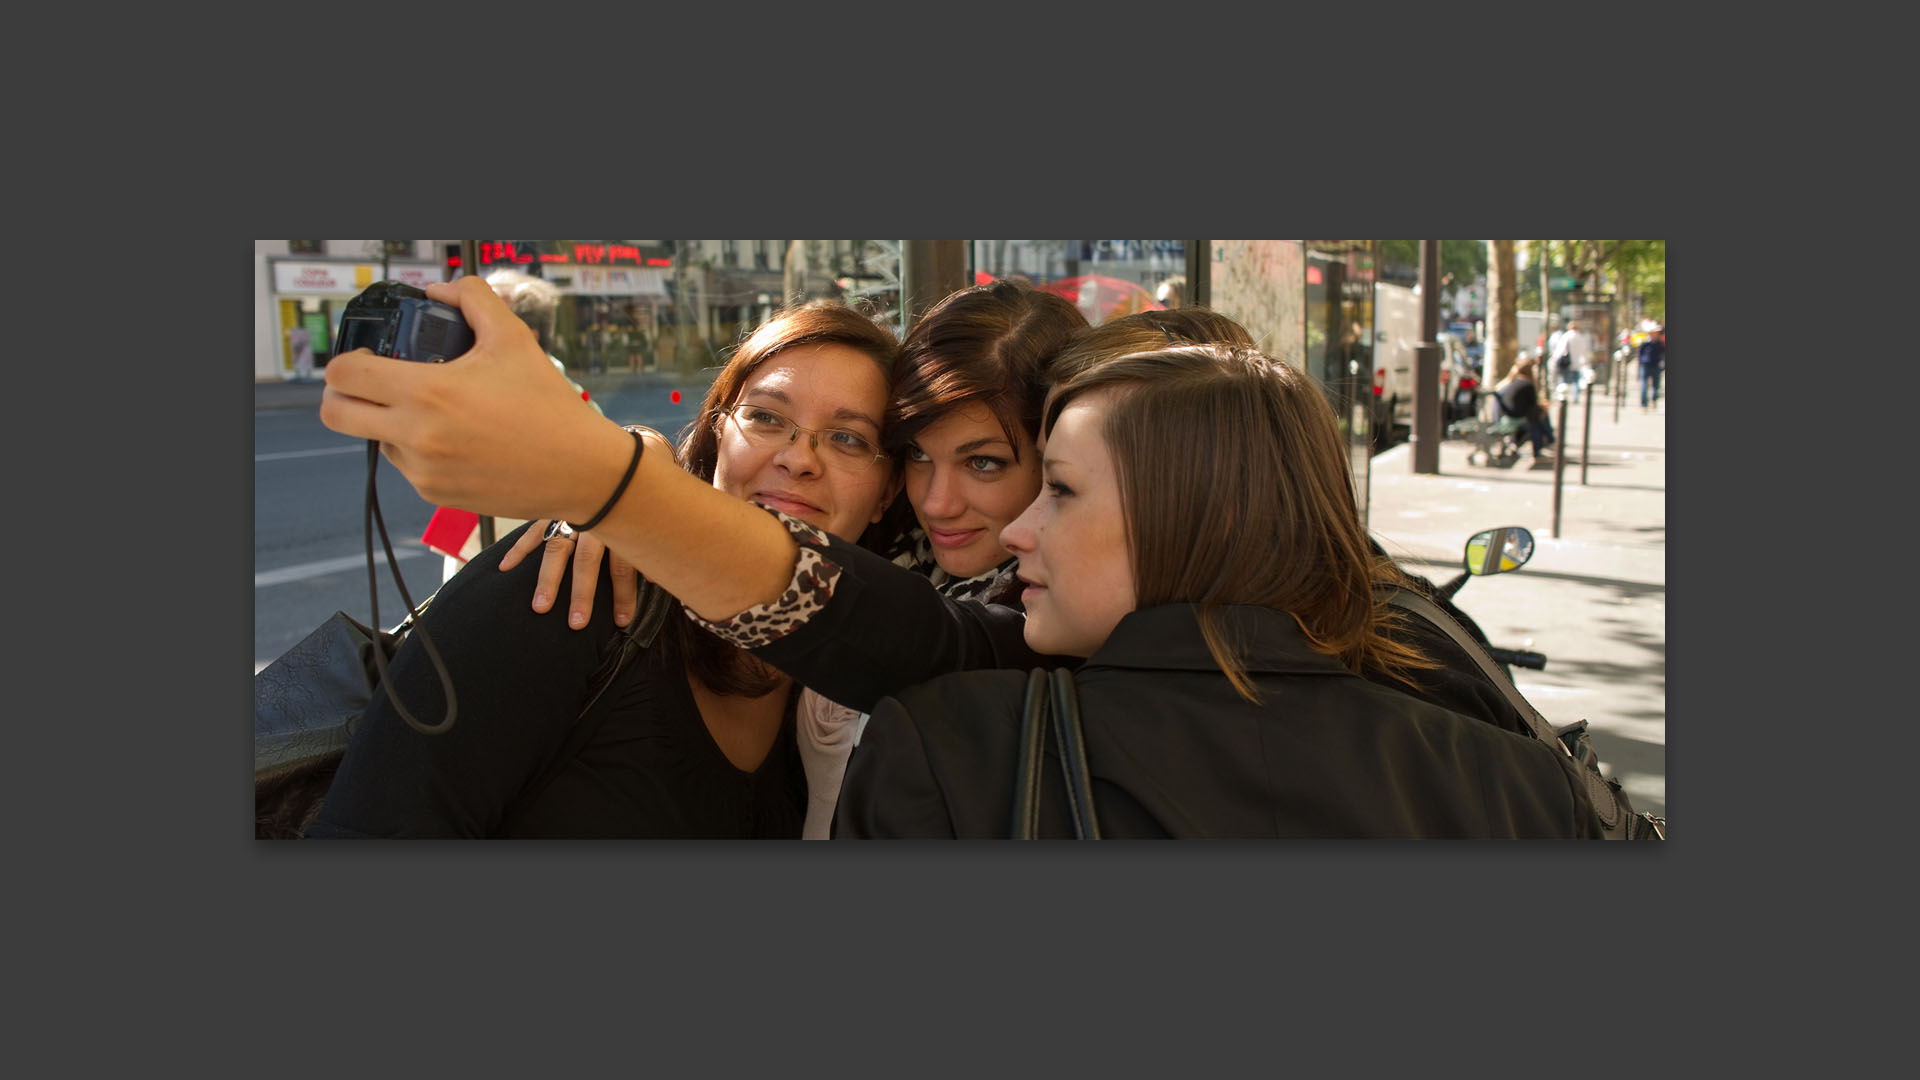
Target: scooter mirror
(1497,551)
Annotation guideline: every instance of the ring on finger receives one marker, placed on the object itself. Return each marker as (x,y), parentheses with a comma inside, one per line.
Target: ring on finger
(559,530)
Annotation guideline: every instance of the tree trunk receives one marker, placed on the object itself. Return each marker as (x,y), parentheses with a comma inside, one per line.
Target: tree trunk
(1503,326)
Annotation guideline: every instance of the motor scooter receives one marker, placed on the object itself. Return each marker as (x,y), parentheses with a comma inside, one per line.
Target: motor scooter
(1494,551)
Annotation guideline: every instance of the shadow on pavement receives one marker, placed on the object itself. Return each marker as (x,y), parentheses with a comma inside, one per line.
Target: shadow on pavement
(1634,589)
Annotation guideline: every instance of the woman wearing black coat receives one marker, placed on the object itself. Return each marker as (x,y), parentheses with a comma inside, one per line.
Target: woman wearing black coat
(1197,541)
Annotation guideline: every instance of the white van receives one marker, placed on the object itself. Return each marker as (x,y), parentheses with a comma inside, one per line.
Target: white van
(1396,330)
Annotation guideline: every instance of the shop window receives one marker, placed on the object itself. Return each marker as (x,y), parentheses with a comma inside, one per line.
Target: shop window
(306,247)
(1104,278)
(397,249)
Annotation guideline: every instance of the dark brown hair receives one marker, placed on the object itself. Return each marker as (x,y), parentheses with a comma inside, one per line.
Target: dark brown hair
(1275,523)
(722,667)
(987,345)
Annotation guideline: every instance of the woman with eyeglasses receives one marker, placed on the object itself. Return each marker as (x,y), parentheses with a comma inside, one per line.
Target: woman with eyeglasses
(961,428)
(694,737)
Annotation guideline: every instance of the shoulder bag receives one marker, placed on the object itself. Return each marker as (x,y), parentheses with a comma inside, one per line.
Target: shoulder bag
(1051,702)
(307,703)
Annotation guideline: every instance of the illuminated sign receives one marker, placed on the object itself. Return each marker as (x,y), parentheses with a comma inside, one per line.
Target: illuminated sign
(342,278)
(521,252)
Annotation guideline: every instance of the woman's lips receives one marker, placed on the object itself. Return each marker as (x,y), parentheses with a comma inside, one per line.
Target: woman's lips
(786,504)
(943,539)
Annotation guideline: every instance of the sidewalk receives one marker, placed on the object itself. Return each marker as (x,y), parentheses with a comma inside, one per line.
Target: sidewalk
(1593,600)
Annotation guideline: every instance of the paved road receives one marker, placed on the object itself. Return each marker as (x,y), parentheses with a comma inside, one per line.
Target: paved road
(309,492)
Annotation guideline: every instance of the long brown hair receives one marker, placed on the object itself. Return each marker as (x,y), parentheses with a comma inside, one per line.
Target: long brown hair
(722,667)
(1273,521)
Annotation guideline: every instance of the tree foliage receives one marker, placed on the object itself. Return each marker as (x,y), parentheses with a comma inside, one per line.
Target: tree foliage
(1632,269)
(1464,261)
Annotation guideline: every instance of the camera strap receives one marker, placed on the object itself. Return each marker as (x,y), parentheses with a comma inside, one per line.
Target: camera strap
(419,626)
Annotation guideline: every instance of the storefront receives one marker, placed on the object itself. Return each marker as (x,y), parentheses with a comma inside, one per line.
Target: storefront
(617,298)
(306,295)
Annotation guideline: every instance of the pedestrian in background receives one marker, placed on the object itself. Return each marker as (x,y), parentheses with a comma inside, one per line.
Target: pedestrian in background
(1653,359)
(1572,359)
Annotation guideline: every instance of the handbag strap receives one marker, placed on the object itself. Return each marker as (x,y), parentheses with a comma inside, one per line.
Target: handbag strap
(1050,701)
(1433,613)
(1606,800)
(1026,777)
(1070,740)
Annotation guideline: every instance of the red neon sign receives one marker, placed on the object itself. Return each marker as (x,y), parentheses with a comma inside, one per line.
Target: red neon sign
(494,251)
(491,252)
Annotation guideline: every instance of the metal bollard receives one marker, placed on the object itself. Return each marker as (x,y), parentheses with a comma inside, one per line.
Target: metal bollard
(1586,435)
(1559,454)
(1619,384)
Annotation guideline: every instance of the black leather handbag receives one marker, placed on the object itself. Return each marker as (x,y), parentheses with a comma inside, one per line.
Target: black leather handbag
(307,703)
(1052,703)
(305,706)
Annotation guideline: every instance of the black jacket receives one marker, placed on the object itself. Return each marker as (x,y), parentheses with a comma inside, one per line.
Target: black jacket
(1518,398)
(1174,751)
(838,654)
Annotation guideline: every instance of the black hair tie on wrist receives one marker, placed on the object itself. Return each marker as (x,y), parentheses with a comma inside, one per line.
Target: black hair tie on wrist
(639,444)
(619,490)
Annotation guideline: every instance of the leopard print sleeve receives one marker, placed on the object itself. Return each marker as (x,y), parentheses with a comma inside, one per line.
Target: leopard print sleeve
(814,576)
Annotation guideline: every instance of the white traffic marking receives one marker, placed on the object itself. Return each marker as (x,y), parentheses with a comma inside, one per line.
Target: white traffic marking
(402,550)
(282,455)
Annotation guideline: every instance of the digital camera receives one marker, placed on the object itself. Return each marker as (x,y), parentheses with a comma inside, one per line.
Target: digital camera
(400,321)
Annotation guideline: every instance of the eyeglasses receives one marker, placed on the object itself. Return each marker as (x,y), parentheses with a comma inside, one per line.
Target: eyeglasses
(767,428)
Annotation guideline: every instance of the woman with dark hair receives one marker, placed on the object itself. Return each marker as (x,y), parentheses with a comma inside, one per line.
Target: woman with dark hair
(693,738)
(966,411)
(1226,627)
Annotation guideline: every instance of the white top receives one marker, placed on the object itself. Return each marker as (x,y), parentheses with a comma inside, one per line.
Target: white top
(1578,345)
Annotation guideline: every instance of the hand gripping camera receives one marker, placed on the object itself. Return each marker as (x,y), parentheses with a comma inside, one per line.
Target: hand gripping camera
(402,322)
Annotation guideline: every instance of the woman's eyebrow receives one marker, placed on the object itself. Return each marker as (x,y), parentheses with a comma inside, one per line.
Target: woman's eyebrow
(784,398)
(980,444)
(844,413)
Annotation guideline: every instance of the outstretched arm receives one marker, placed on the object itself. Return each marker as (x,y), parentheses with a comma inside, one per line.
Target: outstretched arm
(499,431)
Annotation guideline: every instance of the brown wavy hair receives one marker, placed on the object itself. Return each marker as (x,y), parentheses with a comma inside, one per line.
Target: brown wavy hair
(1146,331)
(722,667)
(1274,522)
